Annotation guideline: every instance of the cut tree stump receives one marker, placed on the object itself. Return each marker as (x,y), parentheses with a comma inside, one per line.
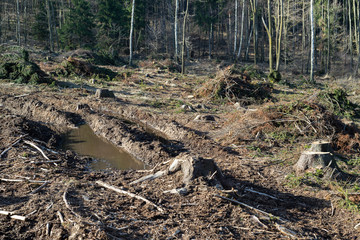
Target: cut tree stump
(314,160)
(193,167)
(319,156)
(321,146)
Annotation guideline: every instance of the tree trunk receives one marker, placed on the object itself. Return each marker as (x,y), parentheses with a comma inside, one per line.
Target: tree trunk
(242,29)
(131,32)
(312,51)
(350,35)
(303,38)
(253,7)
(279,29)
(210,40)
(235,27)
(176,29)
(269,33)
(18,35)
(183,39)
(328,38)
(51,41)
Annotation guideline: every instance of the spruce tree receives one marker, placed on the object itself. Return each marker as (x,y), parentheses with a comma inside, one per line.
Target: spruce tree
(77,30)
(40,26)
(111,25)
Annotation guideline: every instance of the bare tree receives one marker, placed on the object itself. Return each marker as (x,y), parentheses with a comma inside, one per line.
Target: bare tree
(131,32)
(18,35)
(183,39)
(176,28)
(312,52)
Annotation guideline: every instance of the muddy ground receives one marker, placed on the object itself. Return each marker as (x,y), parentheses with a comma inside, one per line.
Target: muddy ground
(61,198)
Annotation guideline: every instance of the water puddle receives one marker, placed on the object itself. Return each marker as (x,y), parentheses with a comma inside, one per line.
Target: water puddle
(106,156)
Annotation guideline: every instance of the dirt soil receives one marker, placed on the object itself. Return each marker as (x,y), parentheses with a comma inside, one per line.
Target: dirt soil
(156,118)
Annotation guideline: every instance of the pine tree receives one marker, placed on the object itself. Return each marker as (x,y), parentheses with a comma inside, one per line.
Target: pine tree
(77,30)
(110,25)
(40,26)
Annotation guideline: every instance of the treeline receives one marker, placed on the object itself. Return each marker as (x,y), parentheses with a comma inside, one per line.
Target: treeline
(242,30)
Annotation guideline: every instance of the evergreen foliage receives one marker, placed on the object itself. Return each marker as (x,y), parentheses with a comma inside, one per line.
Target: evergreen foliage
(111,26)
(77,30)
(40,25)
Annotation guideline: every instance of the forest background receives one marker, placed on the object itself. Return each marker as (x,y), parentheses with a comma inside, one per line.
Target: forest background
(240,30)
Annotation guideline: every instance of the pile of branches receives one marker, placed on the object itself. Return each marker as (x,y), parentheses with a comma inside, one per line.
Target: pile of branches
(77,67)
(308,120)
(17,67)
(235,86)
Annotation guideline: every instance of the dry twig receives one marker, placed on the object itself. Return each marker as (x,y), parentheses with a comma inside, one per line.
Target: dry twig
(11,145)
(250,207)
(129,194)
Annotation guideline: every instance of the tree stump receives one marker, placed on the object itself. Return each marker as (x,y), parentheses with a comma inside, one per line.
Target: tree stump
(314,160)
(319,156)
(104,93)
(321,146)
(192,167)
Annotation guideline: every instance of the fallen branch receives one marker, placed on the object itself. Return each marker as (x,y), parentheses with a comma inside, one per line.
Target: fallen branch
(17,217)
(250,207)
(11,145)
(129,194)
(39,188)
(68,205)
(149,177)
(286,231)
(60,217)
(21,180)
(42,162)
(37,148)
(262,194)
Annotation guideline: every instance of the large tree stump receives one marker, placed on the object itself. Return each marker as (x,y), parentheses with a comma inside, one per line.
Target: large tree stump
(193,167)
(318,157)
(314,160)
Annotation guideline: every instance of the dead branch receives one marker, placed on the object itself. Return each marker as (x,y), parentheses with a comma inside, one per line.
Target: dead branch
(286,231)
(129,194)
(60,217)
(11,214)
(13,144)
(250,207)
(39,188)
(149,177)
(260,193)
(37,148)
(68,205)
(21,180)
(42,162)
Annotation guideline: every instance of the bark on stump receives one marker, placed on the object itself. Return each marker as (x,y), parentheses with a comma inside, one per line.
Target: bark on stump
(319,157)
(193,167)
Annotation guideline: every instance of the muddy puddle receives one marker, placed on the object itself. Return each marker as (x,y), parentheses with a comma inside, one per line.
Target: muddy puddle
(106,156)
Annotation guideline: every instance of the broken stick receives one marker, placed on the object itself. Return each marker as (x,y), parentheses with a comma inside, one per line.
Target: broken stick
(250,207)
(17,217)
(37,148)
(39,188)
(11,145)
(105,185)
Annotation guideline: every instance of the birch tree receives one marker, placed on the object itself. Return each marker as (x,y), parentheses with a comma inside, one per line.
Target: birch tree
(242,28)
(131,32)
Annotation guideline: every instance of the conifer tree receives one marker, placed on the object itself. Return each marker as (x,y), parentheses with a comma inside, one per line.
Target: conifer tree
(77,30)
(110,25)
(39,28)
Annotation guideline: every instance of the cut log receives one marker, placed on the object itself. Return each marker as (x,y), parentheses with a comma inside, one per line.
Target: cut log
(315,160)
(321,146)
